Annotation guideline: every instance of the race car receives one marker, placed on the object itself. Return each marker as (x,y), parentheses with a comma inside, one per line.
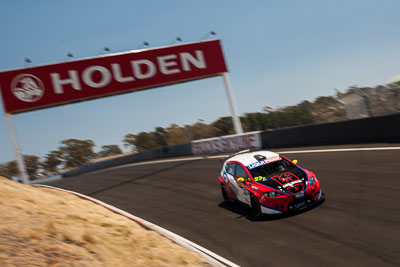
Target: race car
(269,183)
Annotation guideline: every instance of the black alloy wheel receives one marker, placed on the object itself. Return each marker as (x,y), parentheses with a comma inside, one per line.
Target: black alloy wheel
(224,193)
(255,206)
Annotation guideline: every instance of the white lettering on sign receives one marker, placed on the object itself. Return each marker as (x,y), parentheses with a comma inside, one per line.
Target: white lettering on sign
(116,69)
(165,63)
(140,69)
(198,62)
(87,76)
(227,144)
(57,82)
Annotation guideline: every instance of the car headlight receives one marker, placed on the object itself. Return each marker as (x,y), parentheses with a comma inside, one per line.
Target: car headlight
(312,180)
(273,194)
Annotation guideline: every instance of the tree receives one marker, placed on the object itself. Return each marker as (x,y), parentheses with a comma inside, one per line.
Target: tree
(161,136)
(141,141)
(224,126)
(130,141)
(52,160)
(12,168)
(109,150)
(145,141)
(75,152)
(298,115)
(255,121)
(4,171)
(176,135)
(32,164)
(200,130)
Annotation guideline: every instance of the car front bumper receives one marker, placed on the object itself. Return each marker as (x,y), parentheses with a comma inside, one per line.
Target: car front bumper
(286,205)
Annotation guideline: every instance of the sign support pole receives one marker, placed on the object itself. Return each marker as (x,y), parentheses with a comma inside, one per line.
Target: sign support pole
(235,118)
(20,160)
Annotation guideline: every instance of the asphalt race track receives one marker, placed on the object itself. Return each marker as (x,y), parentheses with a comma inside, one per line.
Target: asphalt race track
(357,225)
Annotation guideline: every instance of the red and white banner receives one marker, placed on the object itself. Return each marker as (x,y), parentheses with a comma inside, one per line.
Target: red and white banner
(51,85)
(229,143)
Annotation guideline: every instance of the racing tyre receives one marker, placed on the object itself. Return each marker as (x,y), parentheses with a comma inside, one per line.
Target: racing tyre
(255,206)
(224,193)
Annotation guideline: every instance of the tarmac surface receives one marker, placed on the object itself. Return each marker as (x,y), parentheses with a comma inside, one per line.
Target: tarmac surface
(357,225)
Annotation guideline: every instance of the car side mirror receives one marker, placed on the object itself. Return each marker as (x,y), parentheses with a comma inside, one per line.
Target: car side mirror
(295,161)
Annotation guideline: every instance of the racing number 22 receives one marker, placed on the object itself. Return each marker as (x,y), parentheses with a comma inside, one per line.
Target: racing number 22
(258,178)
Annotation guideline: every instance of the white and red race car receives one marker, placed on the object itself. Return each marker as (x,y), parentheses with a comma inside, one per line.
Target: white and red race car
(269,183)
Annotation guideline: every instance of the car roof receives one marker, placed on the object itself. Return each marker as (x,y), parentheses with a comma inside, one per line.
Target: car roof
(248,158)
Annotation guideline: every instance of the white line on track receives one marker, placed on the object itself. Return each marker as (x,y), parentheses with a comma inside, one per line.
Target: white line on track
(341,150)
(227,155)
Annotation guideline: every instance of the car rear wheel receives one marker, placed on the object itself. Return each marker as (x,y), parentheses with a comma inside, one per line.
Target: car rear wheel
(255,206)
(224,193)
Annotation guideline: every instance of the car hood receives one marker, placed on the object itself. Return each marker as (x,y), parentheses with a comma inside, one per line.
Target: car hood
(293,181)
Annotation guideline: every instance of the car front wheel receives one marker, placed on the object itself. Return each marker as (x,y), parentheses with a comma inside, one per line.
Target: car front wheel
(224,193)
(255,206)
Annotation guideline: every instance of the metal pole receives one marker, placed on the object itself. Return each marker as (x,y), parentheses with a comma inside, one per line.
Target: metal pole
(235,118)
(17,152)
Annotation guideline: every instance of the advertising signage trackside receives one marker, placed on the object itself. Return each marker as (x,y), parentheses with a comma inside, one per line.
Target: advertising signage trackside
(229,143)
(62,83)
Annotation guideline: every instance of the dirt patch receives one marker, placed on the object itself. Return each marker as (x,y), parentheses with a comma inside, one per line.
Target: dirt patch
(45,227)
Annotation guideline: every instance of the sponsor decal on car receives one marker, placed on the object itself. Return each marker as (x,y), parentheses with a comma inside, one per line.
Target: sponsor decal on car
(272,159)
(259,178)
(263,162)
(255,165)
(299,205)
(290,182)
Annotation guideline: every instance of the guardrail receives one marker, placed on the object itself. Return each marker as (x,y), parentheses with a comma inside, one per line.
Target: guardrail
(382,129)
(180,150)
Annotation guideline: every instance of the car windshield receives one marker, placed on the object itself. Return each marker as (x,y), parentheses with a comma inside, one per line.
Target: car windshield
(272,168)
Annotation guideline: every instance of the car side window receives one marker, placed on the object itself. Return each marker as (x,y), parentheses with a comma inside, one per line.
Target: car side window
(231,168)
(240,172)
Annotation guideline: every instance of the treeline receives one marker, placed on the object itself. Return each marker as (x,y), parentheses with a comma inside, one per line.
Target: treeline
(74,152)
(323,109)
(174,134)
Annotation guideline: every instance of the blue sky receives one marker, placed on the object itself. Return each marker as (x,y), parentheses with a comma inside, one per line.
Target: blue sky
(278,53)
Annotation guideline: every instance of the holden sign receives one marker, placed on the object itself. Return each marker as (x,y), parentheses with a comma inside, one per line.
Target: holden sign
(50,85)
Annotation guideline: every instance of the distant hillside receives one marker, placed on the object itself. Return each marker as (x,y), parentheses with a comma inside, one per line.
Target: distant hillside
(357,103)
